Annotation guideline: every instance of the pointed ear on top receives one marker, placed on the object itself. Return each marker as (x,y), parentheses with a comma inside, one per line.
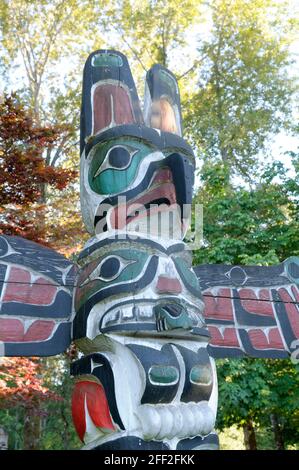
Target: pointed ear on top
(109,96)
(162,105)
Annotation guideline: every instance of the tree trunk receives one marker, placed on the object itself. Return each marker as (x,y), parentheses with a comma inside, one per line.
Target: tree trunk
(32,430)
(249,436)
(277,431)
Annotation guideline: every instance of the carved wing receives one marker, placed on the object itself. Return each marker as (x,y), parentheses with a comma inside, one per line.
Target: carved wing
(36,291)
(251,310)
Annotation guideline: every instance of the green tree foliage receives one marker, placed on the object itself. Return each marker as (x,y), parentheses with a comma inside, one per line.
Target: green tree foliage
(257,225)
(154,30)
(245,89)
(263,393)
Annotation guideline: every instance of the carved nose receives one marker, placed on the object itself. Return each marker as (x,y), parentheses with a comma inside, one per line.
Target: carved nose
(168,284)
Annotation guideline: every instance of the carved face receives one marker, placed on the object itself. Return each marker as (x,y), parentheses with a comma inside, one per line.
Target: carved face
(126,170)
(136,286)
(126,167)
(139,312)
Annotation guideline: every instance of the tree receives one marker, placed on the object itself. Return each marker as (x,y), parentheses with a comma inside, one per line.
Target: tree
(24,171)
(257,225)
(155,31)
(21,387)
(245,89)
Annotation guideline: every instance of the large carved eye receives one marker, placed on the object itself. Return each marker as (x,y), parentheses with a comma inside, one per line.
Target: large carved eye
(108,269)
(118,158)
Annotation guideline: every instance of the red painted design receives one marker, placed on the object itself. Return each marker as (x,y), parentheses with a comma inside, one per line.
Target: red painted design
(228,338)
(102,113)
(259,339)
(40,330)
(94,395)
(291,309)
(12,330)
(220,307)
(125,213)
(19,289)
(255,306)
(167,284)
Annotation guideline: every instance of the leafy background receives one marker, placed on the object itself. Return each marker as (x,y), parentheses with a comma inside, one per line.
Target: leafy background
(236,64)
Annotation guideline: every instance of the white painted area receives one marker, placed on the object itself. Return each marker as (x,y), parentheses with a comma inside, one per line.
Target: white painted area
(92,432)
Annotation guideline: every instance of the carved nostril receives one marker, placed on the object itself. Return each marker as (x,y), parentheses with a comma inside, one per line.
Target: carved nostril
(167,284)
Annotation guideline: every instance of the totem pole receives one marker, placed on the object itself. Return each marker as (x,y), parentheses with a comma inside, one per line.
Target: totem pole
(147,323)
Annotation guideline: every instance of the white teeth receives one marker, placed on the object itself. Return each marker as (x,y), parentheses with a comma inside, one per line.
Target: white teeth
(188,423)
(181,419)
(113,317)
(133,313)
(178,418)
(167,424)
(151,421)
(145,312)
(128,314)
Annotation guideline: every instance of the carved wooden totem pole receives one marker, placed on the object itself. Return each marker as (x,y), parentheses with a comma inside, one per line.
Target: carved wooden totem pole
(147,323)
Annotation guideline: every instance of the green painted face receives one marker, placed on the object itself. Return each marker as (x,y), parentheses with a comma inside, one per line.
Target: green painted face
(122,266)
(115,164)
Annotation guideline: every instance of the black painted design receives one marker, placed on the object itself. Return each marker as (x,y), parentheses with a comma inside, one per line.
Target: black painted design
(286,327)
(131,443)
(211,275)
(195,392)
(60,308)
(59,342)
(250,319)
(3,268)
(131,242)
(121,73)
(149,357)
(41,260)
(210,442)
(261,353)
(80,320)
(219,352)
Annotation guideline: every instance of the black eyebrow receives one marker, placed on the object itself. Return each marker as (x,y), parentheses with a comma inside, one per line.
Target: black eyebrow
(161,140)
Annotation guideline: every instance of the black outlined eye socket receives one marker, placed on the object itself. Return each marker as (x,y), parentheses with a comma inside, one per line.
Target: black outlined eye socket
(118,158)
(110,268)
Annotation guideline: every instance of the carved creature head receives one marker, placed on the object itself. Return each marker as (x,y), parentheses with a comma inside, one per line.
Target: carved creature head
(130,163)
(137,286)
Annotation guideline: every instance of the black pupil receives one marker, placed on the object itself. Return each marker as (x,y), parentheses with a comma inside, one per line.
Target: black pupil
(110,268)
(119,157)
